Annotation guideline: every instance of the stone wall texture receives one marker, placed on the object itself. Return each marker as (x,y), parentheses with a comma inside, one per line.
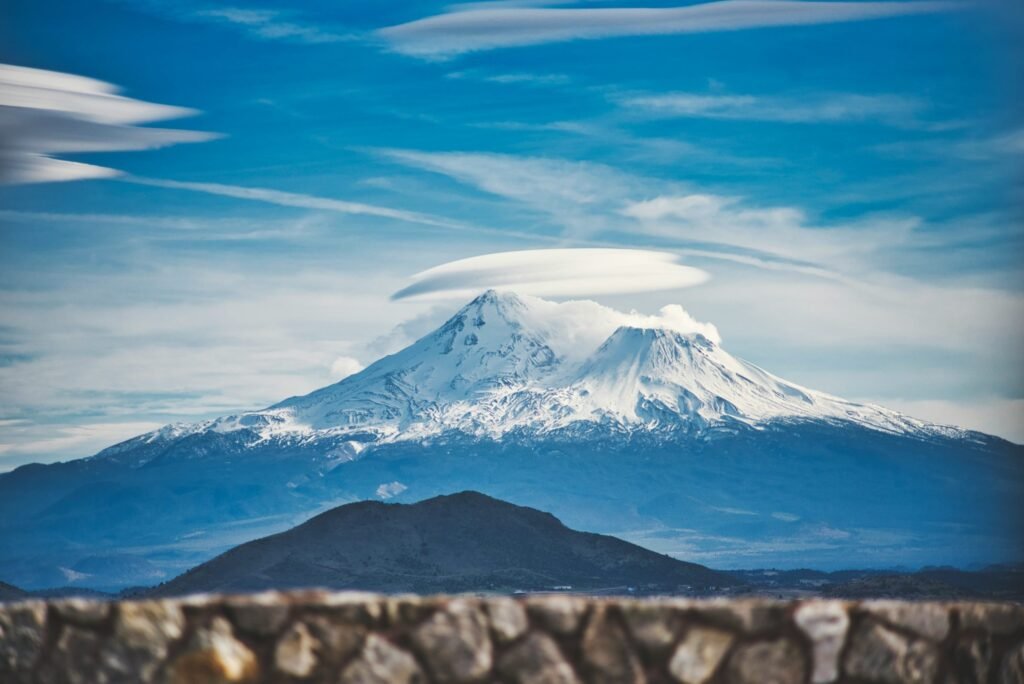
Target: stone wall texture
(346,638)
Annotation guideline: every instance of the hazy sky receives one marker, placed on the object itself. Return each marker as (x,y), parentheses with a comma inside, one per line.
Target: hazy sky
(206,207)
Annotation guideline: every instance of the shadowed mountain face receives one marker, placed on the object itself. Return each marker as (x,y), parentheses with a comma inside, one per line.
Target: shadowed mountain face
(461,542)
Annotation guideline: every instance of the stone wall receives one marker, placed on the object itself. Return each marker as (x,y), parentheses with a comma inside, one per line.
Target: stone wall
(345,637)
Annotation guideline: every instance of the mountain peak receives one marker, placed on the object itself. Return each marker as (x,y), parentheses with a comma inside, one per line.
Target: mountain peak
(493,296)
(505,364)
(504,304)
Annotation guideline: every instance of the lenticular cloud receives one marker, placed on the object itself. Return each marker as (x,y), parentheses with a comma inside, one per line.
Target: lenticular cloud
(43,113)
(555,273)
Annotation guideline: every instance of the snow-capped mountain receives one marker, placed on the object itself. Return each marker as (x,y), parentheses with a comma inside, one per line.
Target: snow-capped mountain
(487,373)
(639,426)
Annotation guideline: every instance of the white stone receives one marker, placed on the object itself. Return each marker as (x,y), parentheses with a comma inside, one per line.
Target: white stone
(825,623)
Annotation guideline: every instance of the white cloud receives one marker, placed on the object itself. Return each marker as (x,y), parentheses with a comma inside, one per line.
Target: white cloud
(299,200)
(781,231)
(1003,417)
(555,273)
(1004,145)
(581,195)
(785,517)
(43,113)
(165,340)
(837,107)
(344,366)
(28,439)
(271,25)
(261,23)
(489,27)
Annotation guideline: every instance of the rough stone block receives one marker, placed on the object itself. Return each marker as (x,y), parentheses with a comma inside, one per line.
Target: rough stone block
(536,660)
(215,656)
(381,662)
(698,656)
(779,661)
(455,643)
(654,627)
(508,619)
(880,654)
(560,615)
(607,654)
(929,620)
(22,628)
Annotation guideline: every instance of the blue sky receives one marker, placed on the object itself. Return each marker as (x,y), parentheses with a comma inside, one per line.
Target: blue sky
(848,174)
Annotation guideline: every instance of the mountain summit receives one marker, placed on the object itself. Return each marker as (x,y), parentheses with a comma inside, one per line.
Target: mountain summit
(493,369)
(639,426)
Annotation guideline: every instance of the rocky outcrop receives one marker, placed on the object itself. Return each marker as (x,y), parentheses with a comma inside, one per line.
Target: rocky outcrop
(355,638)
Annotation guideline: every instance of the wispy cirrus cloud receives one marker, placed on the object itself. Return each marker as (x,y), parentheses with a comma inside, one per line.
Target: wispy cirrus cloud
(590,200)
(978,148)
(298,200)
(261,23)
(491,26)
(895,110)
(45,113)
(271,25)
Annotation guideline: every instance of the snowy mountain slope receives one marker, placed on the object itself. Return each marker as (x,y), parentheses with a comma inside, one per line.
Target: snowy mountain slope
(490,371)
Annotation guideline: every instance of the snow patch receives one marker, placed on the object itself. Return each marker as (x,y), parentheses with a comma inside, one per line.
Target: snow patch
(390,489)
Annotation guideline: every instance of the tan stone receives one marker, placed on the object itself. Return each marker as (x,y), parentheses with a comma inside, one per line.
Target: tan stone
(995,618)
(295,653)
(337,640)
(654,626)
(825,623)
(558,614)
(508,618)
(263,614)
(148,622)
(974,659)
(75,659)
(83,611)
(749,616)
(455,643)
(607,655)
(778,661)
(929,620)
(1012,671)
(215,656)
(22,628)
(381,662)
(407,609)
(880,654)
(698,656)
(142,636)
(536,660)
